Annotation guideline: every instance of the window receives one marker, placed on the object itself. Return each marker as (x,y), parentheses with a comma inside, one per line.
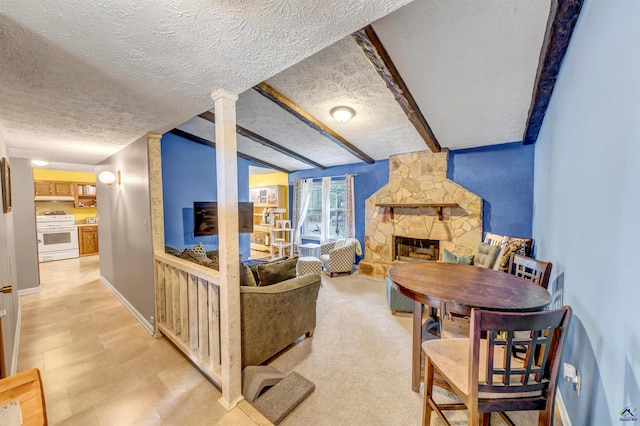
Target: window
(337,199)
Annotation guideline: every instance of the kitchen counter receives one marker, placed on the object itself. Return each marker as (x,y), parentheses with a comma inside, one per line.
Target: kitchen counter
(86,224)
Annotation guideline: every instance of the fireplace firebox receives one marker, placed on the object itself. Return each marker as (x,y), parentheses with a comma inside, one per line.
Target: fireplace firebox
(415,249)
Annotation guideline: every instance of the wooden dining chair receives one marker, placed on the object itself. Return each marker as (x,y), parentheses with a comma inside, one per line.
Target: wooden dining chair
(537,271)
(485,375)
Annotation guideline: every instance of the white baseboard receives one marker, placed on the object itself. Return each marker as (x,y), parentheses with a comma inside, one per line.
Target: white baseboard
(562,409)
(146,324)
(16,344)
(31,290)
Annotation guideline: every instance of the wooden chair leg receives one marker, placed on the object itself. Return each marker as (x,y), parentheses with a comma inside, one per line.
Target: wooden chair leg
(485,419)
(545,417)
(428,393)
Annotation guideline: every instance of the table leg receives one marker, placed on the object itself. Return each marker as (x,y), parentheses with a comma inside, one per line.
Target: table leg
(417,348)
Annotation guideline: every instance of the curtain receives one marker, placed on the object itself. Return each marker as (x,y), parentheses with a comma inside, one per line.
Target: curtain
(301,197)
(295,205)
(326,211)
(349,209)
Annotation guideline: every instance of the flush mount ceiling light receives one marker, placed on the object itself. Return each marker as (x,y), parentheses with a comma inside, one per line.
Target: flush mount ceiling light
(342,114)
(39,163)
(112,180)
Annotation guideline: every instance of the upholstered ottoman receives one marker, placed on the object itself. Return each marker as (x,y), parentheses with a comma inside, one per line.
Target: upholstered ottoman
(308,265)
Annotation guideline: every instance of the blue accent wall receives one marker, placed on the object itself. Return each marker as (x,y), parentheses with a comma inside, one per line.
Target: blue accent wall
(370,177)
(503,176)
(188,175)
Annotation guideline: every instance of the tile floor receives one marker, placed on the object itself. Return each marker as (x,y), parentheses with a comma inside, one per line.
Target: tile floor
(101,367)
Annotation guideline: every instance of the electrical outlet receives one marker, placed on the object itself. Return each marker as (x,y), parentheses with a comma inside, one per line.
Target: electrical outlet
(572,375)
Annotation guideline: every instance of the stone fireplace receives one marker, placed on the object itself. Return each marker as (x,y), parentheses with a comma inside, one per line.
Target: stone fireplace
(419,207)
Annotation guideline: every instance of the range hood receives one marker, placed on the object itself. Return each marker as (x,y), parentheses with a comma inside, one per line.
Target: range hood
(55,198)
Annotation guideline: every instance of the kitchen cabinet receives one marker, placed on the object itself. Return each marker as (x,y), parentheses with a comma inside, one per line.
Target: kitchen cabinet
(88,239)
(54,188)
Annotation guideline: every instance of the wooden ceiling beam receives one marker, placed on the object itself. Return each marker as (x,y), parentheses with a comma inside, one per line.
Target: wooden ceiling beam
(563,15)
(202,141)
(287,104)
(209,116)
(374,51)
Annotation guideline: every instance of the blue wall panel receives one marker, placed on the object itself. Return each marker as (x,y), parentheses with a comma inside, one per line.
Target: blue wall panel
(188,175)
(503,176)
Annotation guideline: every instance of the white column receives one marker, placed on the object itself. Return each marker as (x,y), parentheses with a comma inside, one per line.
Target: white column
(157,213)
(227,177)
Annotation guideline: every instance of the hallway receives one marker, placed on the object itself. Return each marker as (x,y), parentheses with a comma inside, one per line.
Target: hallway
(100,366)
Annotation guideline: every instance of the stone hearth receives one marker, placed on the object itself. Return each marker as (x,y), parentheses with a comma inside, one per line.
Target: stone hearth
(415,180)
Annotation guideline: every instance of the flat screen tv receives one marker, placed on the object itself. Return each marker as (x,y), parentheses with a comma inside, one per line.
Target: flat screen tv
(205,215)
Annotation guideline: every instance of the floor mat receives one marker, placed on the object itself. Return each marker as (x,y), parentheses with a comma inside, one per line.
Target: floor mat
(279,401)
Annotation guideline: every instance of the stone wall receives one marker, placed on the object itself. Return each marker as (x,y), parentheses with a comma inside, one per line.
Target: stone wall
(418,178)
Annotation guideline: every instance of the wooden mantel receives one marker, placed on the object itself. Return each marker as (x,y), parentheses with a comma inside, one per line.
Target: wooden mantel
(437,206)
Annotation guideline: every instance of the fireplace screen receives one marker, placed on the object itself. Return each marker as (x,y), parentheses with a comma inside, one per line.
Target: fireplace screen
(415,249)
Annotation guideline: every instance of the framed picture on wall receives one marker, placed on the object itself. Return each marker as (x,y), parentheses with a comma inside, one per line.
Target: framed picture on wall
(6,186)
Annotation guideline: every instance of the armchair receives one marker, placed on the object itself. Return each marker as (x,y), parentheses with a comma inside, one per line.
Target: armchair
(339,255)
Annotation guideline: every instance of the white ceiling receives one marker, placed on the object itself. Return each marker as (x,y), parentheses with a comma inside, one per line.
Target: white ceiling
(80,80)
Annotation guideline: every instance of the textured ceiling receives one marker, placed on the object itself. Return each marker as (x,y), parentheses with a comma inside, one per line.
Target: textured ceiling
(469,64)
(80,80)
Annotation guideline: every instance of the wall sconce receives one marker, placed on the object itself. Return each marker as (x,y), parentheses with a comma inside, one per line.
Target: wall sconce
(40,163)
(112,180)
(342,114)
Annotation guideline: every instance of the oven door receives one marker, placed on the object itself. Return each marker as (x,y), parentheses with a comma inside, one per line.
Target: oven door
(61,239)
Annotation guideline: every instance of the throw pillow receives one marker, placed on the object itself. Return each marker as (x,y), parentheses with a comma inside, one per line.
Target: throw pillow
(339,243)
(254,270)
(198,250)
(512,246)
(213,255)
(192,257)
(271,273)
(172,251)
(246,276)
(448,257)
(487,255)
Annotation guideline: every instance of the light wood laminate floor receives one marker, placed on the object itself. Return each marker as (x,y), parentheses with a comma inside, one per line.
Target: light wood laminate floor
(101,367)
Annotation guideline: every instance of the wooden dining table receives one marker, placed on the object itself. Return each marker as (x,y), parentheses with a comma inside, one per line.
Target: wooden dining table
(457,289)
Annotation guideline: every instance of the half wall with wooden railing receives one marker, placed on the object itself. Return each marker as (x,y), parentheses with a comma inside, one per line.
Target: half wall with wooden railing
(188,311)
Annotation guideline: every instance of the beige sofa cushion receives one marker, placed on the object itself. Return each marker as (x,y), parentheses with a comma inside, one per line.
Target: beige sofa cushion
(487,255)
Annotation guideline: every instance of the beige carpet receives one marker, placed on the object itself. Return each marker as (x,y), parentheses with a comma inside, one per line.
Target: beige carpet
(360,361)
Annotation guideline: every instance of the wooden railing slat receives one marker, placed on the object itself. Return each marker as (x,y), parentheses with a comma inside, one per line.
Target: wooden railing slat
(175,300)
(193,312)
(214,326)
(184,307)
(203,322)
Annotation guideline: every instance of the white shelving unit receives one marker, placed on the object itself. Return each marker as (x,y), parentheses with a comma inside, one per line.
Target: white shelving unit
(281,242)
(274,198)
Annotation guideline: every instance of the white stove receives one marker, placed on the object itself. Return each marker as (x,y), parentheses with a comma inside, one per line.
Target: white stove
(57,237)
